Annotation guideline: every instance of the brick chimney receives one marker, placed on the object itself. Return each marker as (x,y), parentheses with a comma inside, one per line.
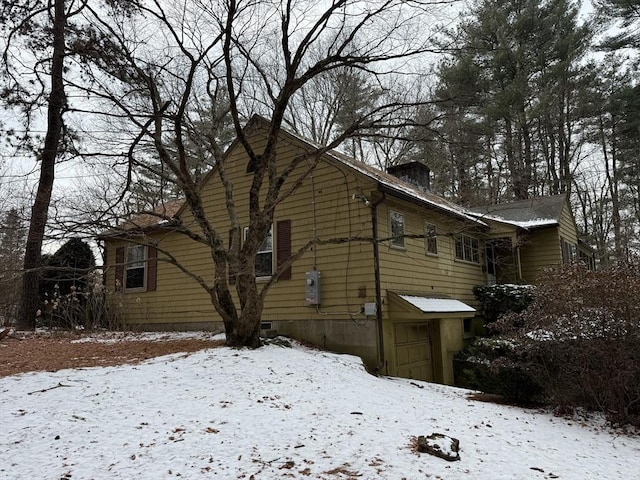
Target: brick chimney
(415,173)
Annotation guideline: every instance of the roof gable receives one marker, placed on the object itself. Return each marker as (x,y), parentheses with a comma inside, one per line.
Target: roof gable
(386,182)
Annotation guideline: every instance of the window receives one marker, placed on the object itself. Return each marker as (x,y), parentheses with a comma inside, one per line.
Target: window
(282,251)
(264,257)
(467,249)
(587,259)
(430,239)
(397,230)
(136,268)
(568,252)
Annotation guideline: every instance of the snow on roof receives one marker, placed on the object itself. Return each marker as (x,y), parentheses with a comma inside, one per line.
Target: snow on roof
(534,223)
(437,305)
(530,213)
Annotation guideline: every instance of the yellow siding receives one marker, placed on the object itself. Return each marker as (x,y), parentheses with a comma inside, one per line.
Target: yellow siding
(568,229)
(347,269)
(542,249)
(412,269)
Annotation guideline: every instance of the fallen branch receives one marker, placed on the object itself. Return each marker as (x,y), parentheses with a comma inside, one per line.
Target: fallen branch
(47,389)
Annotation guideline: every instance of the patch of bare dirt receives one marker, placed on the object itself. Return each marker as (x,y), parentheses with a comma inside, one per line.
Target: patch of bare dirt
(50,352)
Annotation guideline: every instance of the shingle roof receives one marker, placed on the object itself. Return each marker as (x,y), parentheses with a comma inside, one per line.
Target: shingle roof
(531,213)
(161,214)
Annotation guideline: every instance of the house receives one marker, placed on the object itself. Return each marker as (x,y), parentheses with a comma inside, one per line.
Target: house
(401,303)
(528,236)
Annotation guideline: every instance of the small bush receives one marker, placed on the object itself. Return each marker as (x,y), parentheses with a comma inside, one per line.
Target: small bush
(90,308)
(499,366)
(498,300)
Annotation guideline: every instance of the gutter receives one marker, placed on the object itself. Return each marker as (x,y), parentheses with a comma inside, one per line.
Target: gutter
(376,275)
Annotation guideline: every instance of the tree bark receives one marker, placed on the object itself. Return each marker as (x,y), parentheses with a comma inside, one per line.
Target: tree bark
(39,212)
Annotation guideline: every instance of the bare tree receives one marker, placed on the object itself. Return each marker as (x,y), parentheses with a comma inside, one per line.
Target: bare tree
(252,57)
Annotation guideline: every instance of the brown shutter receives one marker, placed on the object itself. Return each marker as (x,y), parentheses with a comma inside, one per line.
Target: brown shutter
(283,247)
(119,281)
(152,268)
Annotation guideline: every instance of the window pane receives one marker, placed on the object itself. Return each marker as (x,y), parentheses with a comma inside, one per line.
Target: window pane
(136,266)
(135,256)
(459,254)
(267,243)
(397,229)
(467,248)
(430,238)
(264,257)
(135,277)
(264,264)
(475,250)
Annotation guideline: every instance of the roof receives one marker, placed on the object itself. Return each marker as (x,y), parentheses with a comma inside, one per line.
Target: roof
(386,182)
(437,305)
(531,213)
(395,185)
(431,306)
(155,218)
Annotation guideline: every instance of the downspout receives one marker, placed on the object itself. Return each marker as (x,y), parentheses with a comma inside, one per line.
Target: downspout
(376,275)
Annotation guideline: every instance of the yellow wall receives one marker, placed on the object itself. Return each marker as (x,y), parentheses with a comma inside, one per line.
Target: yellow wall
(541,248)
(412,269)
(347,270)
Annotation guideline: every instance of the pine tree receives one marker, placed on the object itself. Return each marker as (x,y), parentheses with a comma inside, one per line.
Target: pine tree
(12,240)
(512,88)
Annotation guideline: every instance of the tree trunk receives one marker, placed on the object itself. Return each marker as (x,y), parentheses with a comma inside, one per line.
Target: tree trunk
(244,331)
(40,210)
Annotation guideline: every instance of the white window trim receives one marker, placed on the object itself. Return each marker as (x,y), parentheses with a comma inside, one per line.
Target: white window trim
(460,237)
(402,240)
(129,266)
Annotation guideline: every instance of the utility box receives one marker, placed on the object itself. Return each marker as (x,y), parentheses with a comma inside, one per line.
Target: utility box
(370,309)
(312,282)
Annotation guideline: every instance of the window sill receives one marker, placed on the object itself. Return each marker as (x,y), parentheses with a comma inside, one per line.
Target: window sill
(135,290)
(467,262)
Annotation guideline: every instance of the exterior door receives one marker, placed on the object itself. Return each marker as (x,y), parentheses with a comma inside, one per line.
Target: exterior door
(414,357)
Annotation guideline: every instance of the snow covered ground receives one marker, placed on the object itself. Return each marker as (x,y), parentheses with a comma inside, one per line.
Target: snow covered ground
(281,412)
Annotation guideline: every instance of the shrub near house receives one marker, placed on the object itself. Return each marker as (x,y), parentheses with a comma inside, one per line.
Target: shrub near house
(580,340)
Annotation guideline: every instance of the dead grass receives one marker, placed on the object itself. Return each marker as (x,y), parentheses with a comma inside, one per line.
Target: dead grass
(50,352)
